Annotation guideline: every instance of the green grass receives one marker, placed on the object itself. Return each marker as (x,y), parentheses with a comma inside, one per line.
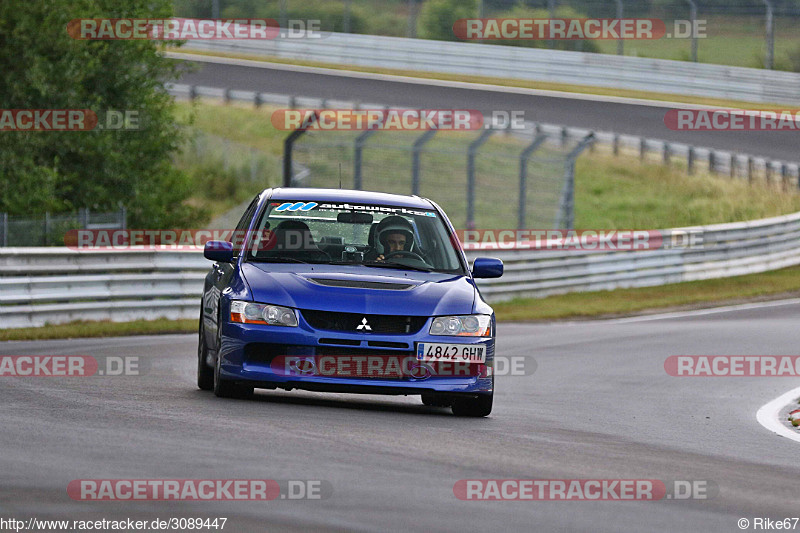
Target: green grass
(100,329)
(613,193)
(730,40)
(706,293)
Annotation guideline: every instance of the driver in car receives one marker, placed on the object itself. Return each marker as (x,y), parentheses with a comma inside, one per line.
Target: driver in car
(394,233)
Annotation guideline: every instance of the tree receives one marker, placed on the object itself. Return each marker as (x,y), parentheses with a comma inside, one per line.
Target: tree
(45,68)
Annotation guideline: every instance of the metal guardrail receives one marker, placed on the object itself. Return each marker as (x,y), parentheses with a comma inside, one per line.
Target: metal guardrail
(719,161)
(600,70)
(40,286)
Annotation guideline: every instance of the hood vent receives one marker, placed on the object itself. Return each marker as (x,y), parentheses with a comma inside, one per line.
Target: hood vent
(360,284)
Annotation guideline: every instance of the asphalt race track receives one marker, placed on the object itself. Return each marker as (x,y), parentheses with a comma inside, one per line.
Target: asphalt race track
(627,118)
(599,405)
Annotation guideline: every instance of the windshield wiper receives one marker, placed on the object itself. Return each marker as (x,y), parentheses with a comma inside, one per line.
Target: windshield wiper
(277,260)
(392,264)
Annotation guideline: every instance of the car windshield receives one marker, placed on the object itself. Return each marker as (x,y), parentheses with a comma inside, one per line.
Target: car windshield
(344,233)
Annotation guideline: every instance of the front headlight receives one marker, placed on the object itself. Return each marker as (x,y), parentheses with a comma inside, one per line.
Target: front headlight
(462,326)
(271,315)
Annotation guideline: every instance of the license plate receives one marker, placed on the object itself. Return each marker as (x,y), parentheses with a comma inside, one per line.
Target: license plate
(456,353)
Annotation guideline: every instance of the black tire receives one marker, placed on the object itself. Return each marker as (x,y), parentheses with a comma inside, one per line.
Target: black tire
(473,407)
(224,388)
(205,374)
(431,399)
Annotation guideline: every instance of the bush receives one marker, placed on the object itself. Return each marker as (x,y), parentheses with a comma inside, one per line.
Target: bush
(44,68)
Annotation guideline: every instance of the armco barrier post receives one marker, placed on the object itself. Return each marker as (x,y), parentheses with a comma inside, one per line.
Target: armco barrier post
(566,208)
(416,150)
(473,149)
(523,179)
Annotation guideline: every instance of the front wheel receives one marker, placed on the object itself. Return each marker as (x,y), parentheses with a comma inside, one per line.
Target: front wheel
(205,374)
(473,407)
(224,388)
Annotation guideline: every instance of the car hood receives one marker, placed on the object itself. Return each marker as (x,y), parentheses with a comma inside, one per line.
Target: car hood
(359,289)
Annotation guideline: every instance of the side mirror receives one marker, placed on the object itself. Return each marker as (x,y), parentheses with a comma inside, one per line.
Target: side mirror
(487,267)
(221,251)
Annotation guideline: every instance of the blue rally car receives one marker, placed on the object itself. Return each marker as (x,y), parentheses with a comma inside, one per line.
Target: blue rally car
(347,291)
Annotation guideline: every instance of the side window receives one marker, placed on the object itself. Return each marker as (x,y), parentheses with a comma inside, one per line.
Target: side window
(241,227)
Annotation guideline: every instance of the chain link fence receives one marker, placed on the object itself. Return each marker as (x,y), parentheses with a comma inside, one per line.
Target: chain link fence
(488,179)
(50,229)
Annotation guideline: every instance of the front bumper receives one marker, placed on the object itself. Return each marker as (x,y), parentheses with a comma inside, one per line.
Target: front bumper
(267,357)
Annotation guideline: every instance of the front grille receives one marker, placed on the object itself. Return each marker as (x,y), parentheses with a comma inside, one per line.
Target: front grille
(358,323)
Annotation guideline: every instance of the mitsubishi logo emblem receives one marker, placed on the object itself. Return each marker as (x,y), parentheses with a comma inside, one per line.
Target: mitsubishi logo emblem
(364,325)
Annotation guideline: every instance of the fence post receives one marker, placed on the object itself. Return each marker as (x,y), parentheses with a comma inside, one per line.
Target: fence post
(642,148)
(288,145)
(358,148)
(83,217)
(620,42)
(566,208)
(750,170)
(346,21)
(523,179)
(770,36)
(768,171)
(666,153)
(693,19)
(734,163)
(4,234)
(46,228)
(123,217)
(411,31)
(690,161)
(712,163)
(282,14)
(416,150)
(615,144)
(551,12)
(471,151)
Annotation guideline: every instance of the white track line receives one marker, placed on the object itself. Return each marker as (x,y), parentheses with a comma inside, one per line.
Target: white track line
(433,82)
(769,415)
(709,311)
